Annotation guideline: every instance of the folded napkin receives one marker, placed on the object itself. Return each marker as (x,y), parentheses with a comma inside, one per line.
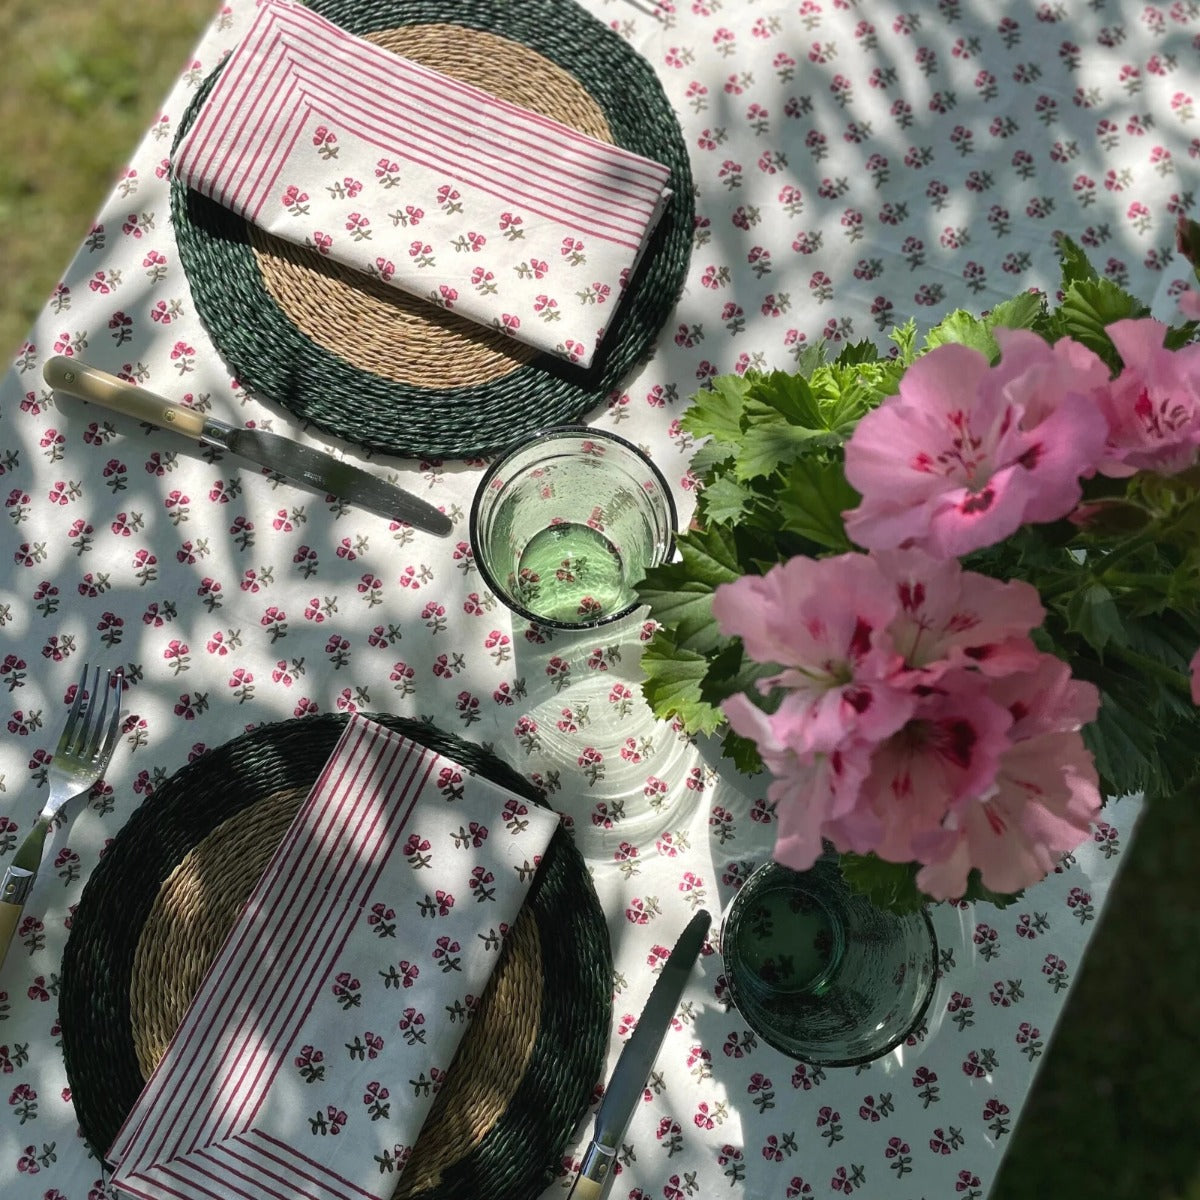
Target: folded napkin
(312,1051)
(504,216)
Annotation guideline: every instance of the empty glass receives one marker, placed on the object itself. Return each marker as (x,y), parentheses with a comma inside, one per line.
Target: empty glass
(564,525)
(821,973)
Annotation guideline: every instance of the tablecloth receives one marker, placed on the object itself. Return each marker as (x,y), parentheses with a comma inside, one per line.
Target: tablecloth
(855,164)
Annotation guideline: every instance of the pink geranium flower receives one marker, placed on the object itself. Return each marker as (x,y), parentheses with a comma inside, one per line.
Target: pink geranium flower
(824,621)
(948,753)
(1194,671)
(966,453)
(949,617)
(1045,797)
(808,790)
(1189,304)
(1153,406)
(898,707)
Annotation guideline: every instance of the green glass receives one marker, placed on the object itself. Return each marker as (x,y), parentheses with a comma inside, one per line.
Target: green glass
(564,525)
(821,973)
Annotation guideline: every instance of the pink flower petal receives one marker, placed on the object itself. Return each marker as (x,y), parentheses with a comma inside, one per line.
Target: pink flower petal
(954,618)
(1047,796)
(1152,408)
(966,453)
(825,622)
(1189,304)
(947,753)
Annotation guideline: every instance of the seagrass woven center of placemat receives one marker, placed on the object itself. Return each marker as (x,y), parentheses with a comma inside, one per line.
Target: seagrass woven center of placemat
(196,907)
(375,326)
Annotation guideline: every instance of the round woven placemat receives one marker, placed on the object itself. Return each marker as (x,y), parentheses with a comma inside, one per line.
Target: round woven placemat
(363,361)
(169,887)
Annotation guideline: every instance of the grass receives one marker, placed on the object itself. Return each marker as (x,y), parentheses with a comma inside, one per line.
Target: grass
(82,81)
(1113,1111)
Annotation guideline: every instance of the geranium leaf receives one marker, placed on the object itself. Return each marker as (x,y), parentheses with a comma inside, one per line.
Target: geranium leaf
(1021,312)
(716,412)
(672,685)
(887,884)
(730,672)
(1092,613)
(856,353)
(976,891)
(961,328)
(789,396)
(1091,304)
(771,446)
(812,502)
(905,338)
(1076,266)
(742,752)
(724,500)
(680,593)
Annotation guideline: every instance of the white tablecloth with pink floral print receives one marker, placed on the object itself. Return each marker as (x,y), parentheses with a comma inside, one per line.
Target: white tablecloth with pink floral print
(855,165)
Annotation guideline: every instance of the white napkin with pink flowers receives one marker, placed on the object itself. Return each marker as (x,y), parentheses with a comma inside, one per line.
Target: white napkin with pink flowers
(477,205)
(314,1047)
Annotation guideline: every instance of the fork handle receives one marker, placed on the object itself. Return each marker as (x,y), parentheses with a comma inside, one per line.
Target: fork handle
(18,881)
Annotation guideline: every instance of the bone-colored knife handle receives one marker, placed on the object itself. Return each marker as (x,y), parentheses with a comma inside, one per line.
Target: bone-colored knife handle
(10,916)
(99,387)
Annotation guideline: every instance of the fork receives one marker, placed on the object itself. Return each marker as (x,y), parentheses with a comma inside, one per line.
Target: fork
(80,759)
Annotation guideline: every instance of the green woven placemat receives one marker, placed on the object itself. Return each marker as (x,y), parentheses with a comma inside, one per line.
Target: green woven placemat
(562,936)
(271,355)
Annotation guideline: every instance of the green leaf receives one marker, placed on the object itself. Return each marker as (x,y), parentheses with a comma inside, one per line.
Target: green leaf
(716,412)
(962,328)
(905,337)
(846,393)
(1076,268)
(680,593)
(724,501)
(1093,614)
(788,395)
(1091,304)
(888,885)
(1021,312)
(672,685)
(1179,336)
(894,885)
(857,353)
(811,503)
(772,445)
(731,672)
(811,357)
(742,752)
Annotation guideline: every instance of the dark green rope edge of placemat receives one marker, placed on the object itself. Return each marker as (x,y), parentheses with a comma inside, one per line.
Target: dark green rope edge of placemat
(519,1156)
(271,356)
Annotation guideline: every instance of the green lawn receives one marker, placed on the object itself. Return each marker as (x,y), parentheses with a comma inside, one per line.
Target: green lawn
(1114,1111)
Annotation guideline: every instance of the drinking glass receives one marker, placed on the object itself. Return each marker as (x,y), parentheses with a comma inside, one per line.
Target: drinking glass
(565,523)
(819,971)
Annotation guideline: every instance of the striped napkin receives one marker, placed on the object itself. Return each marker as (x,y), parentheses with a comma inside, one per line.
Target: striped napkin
(314,1047)
(481,207)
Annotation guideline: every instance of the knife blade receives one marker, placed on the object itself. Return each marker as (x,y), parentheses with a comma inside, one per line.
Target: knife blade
(299,464)
(636,1058)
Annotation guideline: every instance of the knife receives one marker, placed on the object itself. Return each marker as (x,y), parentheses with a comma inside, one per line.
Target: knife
(637,1057)
(296,463)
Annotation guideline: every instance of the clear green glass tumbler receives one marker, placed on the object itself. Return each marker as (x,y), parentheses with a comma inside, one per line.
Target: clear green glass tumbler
(820,972)
(565,523)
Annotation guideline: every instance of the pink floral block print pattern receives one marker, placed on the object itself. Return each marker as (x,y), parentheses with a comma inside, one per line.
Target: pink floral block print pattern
(444,191)
(321,1034)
